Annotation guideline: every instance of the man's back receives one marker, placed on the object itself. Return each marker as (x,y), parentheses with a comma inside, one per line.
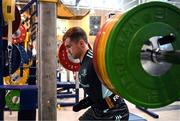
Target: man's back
(102,99)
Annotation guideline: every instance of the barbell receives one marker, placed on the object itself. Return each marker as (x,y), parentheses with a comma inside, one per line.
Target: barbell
(137,54)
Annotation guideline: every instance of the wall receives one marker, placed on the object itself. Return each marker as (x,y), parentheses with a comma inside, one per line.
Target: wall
(63,25)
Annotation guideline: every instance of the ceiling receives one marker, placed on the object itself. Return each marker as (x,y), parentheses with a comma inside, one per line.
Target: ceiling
(79,8)
(109,4)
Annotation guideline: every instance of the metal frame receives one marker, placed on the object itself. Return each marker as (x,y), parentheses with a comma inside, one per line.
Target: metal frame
(150,113)
(28,5)
(1,63)
(1,27)
(46,55)
(3,88)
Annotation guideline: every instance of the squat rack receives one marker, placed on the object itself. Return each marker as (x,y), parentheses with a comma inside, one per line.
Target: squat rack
(46,67)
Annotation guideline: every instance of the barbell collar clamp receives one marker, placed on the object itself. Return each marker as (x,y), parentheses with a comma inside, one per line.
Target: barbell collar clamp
(167,39)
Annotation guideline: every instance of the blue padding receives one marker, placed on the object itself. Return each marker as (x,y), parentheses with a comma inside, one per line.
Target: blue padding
(24,56)
(18,87)
(28,95)
(28,99)
(65,85)
(66,95)
(2,99)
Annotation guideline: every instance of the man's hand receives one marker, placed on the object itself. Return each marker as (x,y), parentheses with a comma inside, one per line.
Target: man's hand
(84,103)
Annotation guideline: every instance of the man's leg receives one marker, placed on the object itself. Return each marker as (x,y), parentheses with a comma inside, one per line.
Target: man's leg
(88,115)
(119,112)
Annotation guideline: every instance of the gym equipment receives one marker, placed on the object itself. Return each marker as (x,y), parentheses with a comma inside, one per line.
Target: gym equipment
(20,98)
(99,46)
(24,55)
(67,89)
(15,59)
(8,8)
(139,64)
(20,35)
(18,55)
(15,23)
(28,94)
(66,60)
(28,5)
(18,78)
(13,100)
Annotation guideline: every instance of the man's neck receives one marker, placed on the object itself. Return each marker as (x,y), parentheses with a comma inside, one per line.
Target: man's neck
(83,54)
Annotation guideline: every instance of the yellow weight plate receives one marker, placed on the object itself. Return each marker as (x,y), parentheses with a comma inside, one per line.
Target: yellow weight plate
(16,78)
(96,54)
(102,48)
(100,58)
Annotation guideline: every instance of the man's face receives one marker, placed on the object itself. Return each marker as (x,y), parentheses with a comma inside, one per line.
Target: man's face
(73,48)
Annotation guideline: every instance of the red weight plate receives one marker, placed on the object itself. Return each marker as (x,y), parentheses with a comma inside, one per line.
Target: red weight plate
(15,24)
(65,61)
(20,35)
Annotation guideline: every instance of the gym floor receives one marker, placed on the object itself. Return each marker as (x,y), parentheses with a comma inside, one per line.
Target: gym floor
(167,113)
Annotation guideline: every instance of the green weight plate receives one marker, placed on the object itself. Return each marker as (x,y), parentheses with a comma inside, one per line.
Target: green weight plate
(13,100)
(123,55)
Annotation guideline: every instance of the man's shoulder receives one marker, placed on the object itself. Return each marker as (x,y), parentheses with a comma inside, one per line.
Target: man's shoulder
(88,61)
(89,54)
(89,57)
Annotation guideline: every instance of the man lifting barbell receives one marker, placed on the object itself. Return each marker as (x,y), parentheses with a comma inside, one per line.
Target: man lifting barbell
(104,104)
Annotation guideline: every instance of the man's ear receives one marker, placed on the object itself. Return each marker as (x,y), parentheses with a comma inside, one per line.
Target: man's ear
(82,43)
